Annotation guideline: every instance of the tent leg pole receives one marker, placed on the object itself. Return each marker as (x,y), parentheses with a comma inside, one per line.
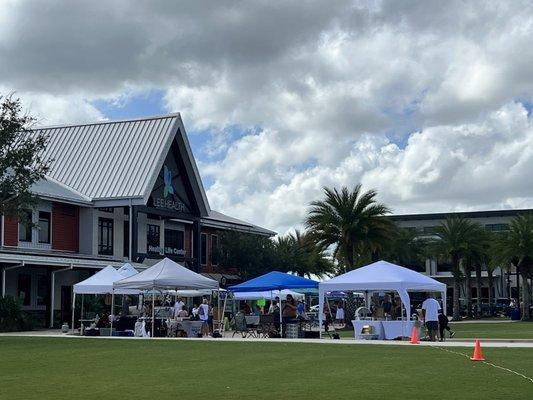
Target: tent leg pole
(73,311)
(112,312)
(223,312)
(320,312)
(153,312)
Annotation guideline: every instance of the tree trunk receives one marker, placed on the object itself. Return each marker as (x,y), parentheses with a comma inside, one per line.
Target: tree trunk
(491,286)
(526,299)
(349,256)
(468,284)
(478,288)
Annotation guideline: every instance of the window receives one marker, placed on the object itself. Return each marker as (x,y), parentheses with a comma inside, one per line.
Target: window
(497,227)
(24,289)
(105,236)
(174,241)
(203,249)
(25,226)
(126,246)
(152,239)
(44,227)
(214,246)
(42,290)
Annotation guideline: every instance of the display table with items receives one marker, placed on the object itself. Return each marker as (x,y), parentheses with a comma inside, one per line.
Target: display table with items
(366,329)
(382,330)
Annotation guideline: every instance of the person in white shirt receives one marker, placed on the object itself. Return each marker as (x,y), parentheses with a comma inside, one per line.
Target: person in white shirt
(430,315)
(203,313)
(181,314)
(178,305)
(194,311)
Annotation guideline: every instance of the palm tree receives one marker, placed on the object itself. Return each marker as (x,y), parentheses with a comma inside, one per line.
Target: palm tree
(516,247)
(455,239)
(475,259)
(406,247)
(351,221)
(299,253)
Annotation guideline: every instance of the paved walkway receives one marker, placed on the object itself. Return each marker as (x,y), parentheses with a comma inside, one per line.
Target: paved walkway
(451,343)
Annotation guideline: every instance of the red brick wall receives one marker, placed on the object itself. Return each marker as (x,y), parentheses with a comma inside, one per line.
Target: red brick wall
(209,231)
(11,232)
(65,227)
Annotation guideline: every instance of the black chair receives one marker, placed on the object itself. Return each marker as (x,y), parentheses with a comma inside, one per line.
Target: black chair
(266,326)
(241,326)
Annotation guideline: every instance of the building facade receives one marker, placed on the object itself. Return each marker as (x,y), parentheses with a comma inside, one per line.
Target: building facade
(122,191)
(505,281)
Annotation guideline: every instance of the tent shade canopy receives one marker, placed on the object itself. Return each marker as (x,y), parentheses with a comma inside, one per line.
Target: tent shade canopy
(382,275)
(274,280)
(127,270)
(102,283)
(267,295)
(167,274)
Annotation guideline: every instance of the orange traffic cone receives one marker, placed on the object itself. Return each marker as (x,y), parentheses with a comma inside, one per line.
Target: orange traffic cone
(414,336)
(478,355)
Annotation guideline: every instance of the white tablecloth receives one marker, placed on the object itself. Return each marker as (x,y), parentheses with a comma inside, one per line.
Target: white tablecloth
(192,328)
(394,329)
(358,326)
(385,329)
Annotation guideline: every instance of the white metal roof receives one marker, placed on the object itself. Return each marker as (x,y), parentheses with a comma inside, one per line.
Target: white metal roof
(109,161)
(116,159)
(218,220)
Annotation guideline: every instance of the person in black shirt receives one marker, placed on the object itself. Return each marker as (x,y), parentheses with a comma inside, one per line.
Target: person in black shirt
(443,325)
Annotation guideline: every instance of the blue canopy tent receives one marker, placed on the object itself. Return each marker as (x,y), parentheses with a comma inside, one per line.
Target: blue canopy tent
(274,280)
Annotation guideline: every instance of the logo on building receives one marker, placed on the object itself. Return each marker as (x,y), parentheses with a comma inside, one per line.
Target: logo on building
(167,179)
(168,200)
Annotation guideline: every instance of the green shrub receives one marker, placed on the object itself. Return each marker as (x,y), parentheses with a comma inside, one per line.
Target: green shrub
(12,318)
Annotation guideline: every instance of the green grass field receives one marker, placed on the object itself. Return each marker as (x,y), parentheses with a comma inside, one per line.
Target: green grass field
(512,330)
(480,330)
(60,368)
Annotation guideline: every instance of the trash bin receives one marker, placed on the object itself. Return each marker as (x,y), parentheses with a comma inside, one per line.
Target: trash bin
(292,331)
(515,314)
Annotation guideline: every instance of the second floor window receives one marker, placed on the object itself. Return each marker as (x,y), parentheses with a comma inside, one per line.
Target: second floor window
(152,239)
(105,236)
(44,227)
(25,226)
(214,247)
(203,249)
(173,242)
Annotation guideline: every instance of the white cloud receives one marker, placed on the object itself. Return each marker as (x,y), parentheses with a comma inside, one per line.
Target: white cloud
(326,83)
(482,165)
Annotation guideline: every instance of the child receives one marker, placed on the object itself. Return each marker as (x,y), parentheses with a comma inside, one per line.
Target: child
(339,315)
(443,325)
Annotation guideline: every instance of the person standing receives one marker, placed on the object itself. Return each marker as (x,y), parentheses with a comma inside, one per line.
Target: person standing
(443,325)
(178,305)
(430,316)
(203,313)
(339,314)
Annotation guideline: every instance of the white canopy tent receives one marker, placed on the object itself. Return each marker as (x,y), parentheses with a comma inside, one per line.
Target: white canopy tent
(166,274)
(271,294)
(381,276)
(102,283)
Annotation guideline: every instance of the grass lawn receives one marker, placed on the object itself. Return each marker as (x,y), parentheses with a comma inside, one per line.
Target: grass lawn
(511,330)
(480,330)
(46,368)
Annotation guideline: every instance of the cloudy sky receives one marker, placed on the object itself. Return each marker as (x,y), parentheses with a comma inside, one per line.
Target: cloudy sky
(429,102)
